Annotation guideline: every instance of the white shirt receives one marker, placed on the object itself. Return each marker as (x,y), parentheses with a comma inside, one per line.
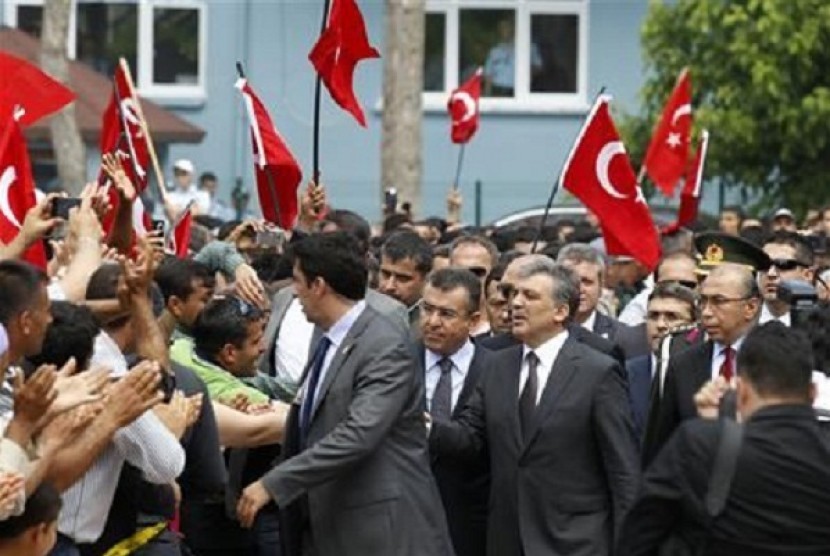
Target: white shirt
(547,354)
(292,345)
(767,316)
(106,353)
(461,360)
(336,334)
(718,357)
(182,197)
(636,310)
(591,321)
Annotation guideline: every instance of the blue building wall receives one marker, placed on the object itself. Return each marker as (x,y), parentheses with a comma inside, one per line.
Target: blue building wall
(516,156)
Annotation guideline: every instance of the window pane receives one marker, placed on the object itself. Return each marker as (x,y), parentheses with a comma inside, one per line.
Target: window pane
(176,46)
(106,32)
(554,53)
(30,19)
(486,38)
(435,52)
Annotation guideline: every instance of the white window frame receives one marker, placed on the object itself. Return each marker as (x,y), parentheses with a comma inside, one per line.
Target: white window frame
(523,100)
(143,74)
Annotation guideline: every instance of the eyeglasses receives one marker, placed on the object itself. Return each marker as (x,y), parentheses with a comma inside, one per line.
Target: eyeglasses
(427,311)
(691,284)
(718,300)
(786,264)
(479,271)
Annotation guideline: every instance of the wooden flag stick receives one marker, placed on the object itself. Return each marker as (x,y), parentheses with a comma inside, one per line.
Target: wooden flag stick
(317,94)
(162,187)
(457,181)
(553,191)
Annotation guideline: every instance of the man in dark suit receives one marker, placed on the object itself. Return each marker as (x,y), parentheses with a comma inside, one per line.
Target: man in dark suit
(453,365)
(355,477)
(669,306)
(729,303)
(778,501)
(554,417)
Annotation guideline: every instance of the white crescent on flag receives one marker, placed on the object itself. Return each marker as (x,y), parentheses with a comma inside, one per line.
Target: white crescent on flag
(606,154)
(6,181)
(682,110)
(469,104)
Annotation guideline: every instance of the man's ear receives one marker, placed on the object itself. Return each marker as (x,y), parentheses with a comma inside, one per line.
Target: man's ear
(174,305)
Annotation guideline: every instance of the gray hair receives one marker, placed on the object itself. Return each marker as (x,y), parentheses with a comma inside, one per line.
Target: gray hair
(483,242)
(581,253)
(565,284)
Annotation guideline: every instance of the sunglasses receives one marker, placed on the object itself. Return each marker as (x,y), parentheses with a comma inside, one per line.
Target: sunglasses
(786,264)
(479,271)
(691,284)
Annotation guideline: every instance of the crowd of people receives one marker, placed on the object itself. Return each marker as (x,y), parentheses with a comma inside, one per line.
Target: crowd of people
(417,388)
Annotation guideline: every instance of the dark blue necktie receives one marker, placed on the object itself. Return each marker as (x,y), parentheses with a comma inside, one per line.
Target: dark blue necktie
(316,368)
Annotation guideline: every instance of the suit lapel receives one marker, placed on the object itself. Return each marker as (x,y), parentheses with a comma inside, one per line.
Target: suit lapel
(279,307)
(343,351)
(564,369)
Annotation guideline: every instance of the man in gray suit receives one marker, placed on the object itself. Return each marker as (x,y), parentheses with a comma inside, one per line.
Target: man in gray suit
(355,478)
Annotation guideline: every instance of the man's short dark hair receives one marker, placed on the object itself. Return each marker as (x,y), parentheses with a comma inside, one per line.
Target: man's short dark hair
(42,507)
(803,249)
(497,272)
(683,294)
(103,284)
(223,321)
(450,278)
(71,334)
(336,258)
(406,244)
(20,284)
(777,361)
(176,277)
(736,210)
(354,224)
(207,176)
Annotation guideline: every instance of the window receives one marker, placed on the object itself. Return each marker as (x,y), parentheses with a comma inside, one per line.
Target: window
(162,40)
(533,53)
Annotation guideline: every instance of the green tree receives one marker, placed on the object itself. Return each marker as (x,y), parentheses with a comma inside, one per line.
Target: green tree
(761,80)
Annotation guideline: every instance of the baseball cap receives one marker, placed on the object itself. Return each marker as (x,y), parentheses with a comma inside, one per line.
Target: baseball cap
(783,213)
(184,165)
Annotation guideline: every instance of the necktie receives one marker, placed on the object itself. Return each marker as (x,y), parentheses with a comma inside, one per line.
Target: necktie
(441,408)
(527,401)
(727,368)
(316,368)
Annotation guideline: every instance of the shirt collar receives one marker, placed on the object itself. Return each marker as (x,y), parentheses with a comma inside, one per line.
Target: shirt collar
(337,333)
(460,359)
(719,347)
(590,321)
(548,351)
(767,316)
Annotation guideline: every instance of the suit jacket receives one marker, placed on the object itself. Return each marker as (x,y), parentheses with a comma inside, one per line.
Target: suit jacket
(565,490)
(383,304)
(639,391)
(686,373)
(363,484)
(778,502)
(633,340)
(465,485)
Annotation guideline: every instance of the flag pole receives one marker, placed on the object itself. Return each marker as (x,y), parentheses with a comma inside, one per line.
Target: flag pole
(553,191)
(272,188)
(317,94)
(455,184)
(143,123)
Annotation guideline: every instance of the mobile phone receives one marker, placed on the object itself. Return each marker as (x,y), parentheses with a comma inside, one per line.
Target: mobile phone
(62,205)
(391,198)
(270,239)
(158,226)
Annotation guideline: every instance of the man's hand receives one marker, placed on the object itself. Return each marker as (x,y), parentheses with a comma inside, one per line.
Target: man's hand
(138,275)
(194,409)
(130,397)
(707,399)
(248,286)
(78,389)
(312,204)
(33,398)
(12,487)
(174,414)
(66,428)
(253,498)
(115,171)
(239,402)
(454,203)
(84,225)
(39,221)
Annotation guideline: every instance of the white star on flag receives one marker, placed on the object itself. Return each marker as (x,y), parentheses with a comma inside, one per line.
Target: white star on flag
(673,140)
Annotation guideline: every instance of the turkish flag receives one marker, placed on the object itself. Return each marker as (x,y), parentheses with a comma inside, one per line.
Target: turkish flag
(178,241)
(690,196)
(463,108)
(17,190)
(340,47)
(27,92)
(123,135)
(277,173)
(598,172)
(668,153)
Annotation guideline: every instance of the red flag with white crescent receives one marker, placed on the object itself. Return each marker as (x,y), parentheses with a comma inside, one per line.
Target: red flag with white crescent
(668,152)
(598,172)
(463,106)
(27,93)
(17,190)
(178,240)
(690,196)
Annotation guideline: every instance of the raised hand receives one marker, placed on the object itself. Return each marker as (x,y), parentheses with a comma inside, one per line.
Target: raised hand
(34,397)
(39,221)
(248,286)
(12,490)
(78,389)
(174,414)
(64,429)
(115,171)
(130,397)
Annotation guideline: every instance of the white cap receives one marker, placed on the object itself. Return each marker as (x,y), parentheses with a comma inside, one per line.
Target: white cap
(783,213)
(184,165)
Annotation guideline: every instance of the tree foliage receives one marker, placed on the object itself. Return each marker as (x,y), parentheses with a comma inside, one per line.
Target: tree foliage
(761,80)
